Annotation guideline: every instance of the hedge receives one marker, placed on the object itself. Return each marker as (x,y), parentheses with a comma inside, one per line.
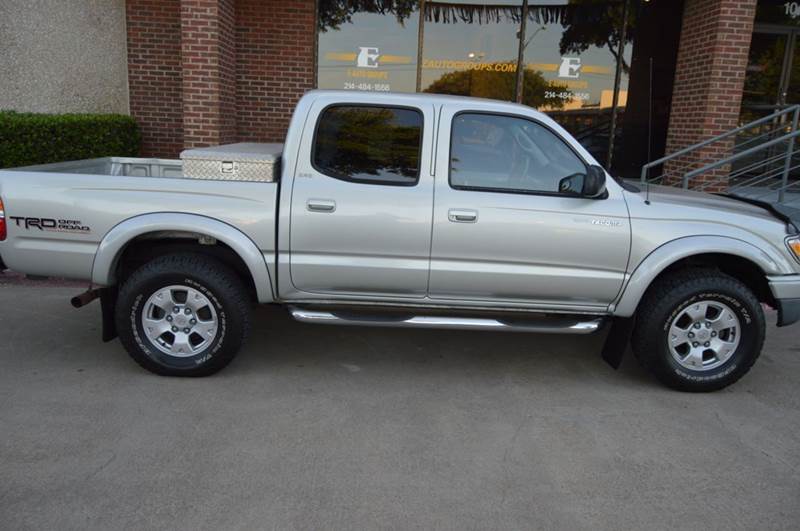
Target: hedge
(32,138)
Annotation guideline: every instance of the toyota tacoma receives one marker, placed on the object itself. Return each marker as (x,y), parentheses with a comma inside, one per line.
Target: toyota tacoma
(406,210)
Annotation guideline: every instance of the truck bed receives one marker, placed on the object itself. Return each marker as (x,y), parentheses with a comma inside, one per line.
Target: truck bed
(58,214)
(119,166)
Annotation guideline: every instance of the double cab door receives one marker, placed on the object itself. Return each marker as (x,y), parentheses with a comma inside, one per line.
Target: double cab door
(449,206)
(362,200)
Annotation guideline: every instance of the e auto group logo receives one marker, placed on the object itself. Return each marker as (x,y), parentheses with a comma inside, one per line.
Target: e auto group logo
(367,57)
(570,67)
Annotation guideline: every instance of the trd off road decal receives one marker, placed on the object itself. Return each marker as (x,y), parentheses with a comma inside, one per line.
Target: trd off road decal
(50,224)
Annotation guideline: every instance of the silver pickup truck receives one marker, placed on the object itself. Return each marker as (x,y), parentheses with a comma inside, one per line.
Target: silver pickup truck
(407,211)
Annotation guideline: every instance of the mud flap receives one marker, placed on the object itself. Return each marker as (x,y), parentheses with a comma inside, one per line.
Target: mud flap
(108,303)
(788,311)
(617,340)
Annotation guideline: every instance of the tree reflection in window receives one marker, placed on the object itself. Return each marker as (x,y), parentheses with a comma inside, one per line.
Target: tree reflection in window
(497,86)
(379,145)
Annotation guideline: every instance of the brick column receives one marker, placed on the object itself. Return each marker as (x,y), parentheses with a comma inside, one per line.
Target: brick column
(709,78)
(208,54)
(206,72)
(275,47)
(154,74)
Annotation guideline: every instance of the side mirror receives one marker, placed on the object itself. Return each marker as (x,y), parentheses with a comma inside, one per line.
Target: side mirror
(591,184)
(594,184)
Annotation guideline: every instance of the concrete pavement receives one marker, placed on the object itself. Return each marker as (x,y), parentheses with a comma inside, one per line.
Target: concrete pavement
(317,427)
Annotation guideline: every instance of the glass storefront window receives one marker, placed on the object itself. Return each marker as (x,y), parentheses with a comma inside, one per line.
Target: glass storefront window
(771,83)
(471,48)
(573,52)
(367,45)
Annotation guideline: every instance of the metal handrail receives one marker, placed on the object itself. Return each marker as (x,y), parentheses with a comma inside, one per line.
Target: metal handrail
(736,156)
(781,132)
(792,109)
(709,158)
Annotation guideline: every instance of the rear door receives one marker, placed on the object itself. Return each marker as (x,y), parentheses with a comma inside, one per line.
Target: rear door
(362,200)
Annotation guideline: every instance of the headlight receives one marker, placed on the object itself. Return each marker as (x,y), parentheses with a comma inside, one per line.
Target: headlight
(794,245)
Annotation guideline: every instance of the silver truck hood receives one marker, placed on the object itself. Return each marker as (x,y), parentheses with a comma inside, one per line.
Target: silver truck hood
(677,202)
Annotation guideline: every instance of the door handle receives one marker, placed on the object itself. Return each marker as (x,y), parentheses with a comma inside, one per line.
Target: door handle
(462,216)
(321,205)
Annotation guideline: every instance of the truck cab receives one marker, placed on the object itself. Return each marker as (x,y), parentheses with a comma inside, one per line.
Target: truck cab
(451,201)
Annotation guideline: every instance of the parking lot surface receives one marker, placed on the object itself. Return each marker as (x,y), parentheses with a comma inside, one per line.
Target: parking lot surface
(316,427)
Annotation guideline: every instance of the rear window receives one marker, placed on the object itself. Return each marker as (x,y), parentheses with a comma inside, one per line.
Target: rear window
(368,144)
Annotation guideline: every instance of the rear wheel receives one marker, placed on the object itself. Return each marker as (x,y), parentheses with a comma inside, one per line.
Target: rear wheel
(699,330)
(183,315)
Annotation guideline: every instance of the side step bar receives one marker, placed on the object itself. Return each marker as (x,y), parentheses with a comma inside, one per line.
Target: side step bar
(551,325)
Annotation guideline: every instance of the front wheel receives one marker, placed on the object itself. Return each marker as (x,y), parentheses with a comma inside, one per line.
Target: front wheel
(699,330)
(183,315)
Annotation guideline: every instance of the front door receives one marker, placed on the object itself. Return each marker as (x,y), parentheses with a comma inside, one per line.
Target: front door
(772,82)
(769,82)
(506,231)
(361,201)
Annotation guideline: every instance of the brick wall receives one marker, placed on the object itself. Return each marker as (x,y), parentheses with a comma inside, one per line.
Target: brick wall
(154,74)
(709,78)
(207,59)
(213,71)
(274,64)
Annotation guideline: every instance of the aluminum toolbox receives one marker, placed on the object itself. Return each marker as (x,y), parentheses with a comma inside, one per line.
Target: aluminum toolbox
(246,161)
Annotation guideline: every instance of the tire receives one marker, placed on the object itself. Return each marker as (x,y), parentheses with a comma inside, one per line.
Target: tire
(179,293)
(686,312)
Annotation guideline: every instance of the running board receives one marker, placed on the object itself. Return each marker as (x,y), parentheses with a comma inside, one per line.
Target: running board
(549,325)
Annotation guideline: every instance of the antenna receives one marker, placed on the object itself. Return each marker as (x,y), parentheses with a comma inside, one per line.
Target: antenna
(650,113)
(649,130)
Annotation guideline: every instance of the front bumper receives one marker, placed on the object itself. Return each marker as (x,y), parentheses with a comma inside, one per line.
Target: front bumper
(786,290)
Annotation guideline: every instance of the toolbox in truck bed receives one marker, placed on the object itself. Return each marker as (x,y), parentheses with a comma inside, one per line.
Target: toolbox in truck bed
(245,161)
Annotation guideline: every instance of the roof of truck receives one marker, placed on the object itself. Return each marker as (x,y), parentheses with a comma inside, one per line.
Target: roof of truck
(425,97)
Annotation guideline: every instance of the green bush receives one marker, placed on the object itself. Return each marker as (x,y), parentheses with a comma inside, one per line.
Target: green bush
(31,138)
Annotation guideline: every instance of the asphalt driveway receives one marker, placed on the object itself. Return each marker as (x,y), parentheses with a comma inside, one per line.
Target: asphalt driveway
(317,427)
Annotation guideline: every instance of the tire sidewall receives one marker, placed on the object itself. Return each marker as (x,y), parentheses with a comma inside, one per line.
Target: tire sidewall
(740,360)
(136,308)
(218,283)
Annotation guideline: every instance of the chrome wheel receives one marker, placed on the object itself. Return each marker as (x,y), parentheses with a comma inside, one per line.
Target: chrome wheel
(180,321)
(704,335)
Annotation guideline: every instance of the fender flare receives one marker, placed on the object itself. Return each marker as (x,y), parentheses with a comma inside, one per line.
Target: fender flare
(116,239)
(675,250)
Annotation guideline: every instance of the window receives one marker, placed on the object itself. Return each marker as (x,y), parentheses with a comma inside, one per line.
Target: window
(571,49)
(377,145)
(493,152)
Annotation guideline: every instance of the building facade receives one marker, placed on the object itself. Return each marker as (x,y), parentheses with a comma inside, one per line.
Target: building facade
(59,57)
(631,79)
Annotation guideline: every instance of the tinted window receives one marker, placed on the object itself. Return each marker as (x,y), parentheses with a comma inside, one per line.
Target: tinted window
(506,153)
(379,145)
